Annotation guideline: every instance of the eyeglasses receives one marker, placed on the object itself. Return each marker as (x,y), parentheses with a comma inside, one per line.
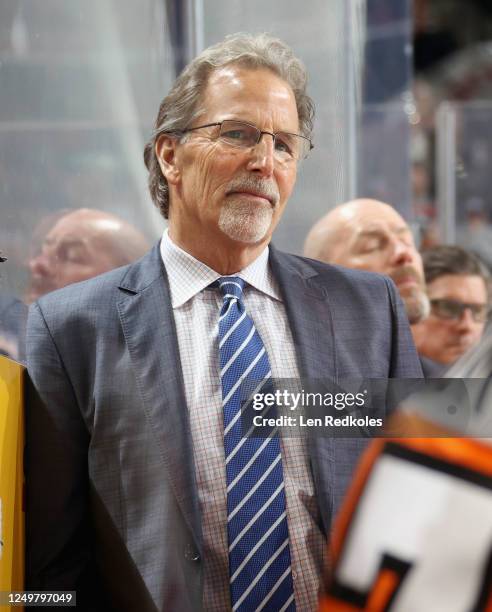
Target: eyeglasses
(287,147)
(452,309)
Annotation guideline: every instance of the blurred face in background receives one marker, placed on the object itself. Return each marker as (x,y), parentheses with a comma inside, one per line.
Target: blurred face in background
(370,235)
(459,307)
(82,244)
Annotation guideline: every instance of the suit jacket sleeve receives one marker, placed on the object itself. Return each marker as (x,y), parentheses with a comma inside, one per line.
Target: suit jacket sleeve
(58,546)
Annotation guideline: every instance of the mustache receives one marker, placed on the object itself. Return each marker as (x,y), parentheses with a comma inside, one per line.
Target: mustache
(258,186)
(405,272)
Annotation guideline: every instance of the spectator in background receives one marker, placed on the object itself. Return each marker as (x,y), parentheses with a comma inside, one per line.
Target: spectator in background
(370,235)
(458,289)
(81,244)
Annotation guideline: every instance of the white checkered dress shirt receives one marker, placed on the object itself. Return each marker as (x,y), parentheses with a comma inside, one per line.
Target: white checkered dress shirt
(196,311)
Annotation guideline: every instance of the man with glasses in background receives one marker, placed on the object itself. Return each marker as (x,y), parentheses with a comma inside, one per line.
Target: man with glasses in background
(155,494)
(458,289)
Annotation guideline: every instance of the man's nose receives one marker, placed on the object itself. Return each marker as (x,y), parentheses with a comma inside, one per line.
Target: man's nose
(402,253)
(262,156)
(466,323)
(41,265)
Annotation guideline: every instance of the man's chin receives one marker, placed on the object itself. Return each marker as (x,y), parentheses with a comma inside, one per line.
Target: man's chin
(32,295)
(35,292)
(449,357)
(246,223)
(417,306)
(457,350)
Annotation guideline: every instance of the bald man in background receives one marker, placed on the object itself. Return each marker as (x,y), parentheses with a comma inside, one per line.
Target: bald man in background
(83,243)
(370,235)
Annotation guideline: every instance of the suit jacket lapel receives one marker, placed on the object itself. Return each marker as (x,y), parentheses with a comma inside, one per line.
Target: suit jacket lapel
(308,311)
(148,325)
(309,315)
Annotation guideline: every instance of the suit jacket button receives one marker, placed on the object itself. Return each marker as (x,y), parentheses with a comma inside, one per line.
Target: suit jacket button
(191,554)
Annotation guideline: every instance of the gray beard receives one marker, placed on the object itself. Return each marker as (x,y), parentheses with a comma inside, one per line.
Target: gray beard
(417,307)
(245,221)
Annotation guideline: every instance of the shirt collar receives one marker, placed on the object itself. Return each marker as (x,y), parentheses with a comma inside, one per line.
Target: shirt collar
(189,276)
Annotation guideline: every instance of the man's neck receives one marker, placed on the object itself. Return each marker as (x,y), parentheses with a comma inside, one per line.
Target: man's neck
(225,256)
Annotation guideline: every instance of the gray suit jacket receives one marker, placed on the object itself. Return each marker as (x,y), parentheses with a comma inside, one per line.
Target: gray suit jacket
(111,491)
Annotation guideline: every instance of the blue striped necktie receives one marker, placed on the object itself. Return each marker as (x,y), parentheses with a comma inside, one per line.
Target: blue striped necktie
(259,556)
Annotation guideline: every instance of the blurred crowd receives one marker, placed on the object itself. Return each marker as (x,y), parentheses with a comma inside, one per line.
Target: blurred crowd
(445,288)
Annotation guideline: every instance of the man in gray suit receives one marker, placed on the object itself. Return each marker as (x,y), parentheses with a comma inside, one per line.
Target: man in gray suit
(130,474)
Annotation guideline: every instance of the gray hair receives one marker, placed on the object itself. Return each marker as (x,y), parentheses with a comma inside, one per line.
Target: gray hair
(181,106)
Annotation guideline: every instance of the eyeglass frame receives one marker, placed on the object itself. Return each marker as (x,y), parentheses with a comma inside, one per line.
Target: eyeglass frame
(260,134)
(462,306)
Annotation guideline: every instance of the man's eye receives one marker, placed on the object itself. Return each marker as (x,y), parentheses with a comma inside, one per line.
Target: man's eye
(369,247)
(69,253)
(283,145)
(235,135)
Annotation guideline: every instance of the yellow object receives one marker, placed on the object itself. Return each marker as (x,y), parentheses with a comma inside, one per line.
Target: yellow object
(11,476)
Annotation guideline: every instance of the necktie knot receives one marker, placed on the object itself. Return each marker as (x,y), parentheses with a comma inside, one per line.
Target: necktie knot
(231,287)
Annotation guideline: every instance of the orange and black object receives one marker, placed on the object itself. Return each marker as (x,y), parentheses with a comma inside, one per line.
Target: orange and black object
(398,554)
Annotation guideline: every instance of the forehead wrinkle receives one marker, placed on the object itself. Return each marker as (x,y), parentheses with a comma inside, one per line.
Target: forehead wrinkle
(72,241)
(369,231)
(362,233)
(276,103)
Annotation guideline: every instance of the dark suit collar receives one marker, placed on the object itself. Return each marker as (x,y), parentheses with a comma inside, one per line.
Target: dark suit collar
(147,321)
(291,264)
(144,272)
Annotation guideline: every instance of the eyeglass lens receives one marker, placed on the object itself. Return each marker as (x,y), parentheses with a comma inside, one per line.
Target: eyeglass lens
(452,309)
(287,146)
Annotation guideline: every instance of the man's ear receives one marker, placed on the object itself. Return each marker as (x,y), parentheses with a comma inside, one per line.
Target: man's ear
(165,149)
